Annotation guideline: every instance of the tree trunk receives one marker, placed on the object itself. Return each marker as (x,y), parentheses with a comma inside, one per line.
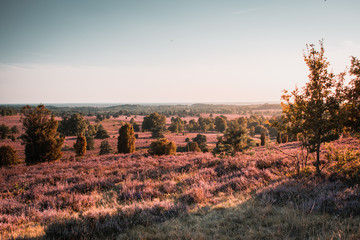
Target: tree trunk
(318,173)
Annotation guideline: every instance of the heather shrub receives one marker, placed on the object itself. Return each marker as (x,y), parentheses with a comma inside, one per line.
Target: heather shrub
(80,145)
(7,156)
(345,164)
(105,148)
(42,141)
(126,139)
(193,147)
(162,147)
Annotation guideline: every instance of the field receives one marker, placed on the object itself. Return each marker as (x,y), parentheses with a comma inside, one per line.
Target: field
(257,194)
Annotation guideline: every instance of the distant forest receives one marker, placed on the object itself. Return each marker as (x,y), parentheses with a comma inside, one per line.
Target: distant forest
(167,110)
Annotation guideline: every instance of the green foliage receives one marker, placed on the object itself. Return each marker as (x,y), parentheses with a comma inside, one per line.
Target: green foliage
(234,140)
(315,110)
(7,156)
(278,138)
(101,133)
(73,126)
(193,147)
(105,147)
(220,123)
(201,142)
(177,125)
(41,139)
(344,164)
(90,144)
(154,121)
(126,139)
(80,145)
(91,130)
(263,139)
(4,131)
(162,147)
(135,125)
(352,106)
(14,129)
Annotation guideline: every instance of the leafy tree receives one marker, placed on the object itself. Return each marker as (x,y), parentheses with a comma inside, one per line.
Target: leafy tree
(126,139)
(105,148)
(220,123)
(73,126)
(352,106)
(101,133)
(80,145)
(41,139)
(7,156)
(177,125)
(315,110)
(234,140)
(162,147)
(192,126)
(4,131)
(91,130)
(154,121)
(201,141)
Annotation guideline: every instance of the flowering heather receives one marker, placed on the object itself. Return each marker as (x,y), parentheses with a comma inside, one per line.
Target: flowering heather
(103,196)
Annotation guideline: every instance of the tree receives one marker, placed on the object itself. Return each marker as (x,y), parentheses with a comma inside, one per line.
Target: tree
(126,139)
(234,140)
(135,125)
(89,142)
(73,126)
(352,106)
(220,123)
(80,145)
(105,148)
(315,110)
(41,139)
(7,156)
(154,121)
(201,142)
(177,125)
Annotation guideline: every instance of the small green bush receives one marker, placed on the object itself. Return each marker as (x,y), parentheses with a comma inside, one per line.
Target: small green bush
(80,145)
(7,156)
(162,147)
(126,139)
(105,148)
(193,147)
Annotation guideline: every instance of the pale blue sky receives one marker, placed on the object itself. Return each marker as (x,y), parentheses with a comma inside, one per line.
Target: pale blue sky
(166,51)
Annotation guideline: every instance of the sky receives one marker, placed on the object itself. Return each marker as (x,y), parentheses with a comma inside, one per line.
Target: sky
(167,51)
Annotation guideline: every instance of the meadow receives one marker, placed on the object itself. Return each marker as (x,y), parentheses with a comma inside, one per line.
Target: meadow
(256,194)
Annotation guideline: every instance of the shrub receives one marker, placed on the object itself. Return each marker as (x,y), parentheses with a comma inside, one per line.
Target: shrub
(74,125)
(80,145)
(4,131)
(105,148)
(7,156)
(193,147)
(41,139)
(14,129)
(201,142)
(154,121)
(89,142)
(126,139)
(263,139)
(162,147)
(101,133)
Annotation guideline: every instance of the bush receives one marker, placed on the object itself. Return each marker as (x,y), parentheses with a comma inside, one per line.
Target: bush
(126,139)
(162,147)
(42,141)
(201,142)
(80,145)
(73,126)
(105,148)
(263,139)
(193,147)
(90,142)
(101,133)
(4,131)
(7,156)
